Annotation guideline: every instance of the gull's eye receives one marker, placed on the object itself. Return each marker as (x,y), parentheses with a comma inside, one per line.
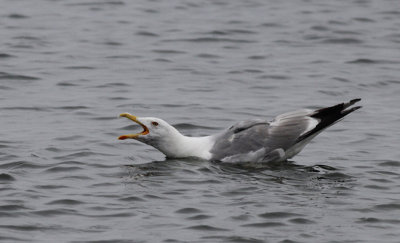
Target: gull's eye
(154,123)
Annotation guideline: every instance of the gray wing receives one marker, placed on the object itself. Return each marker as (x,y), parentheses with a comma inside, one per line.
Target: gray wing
(260,136)
(284,137)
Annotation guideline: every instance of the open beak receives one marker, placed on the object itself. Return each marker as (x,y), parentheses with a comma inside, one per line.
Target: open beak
(136,135)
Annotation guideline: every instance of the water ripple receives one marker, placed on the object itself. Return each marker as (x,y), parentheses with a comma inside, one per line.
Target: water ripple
(5,55)
(132,199)
(341,41)
(372,61)
(390,163)
(278,215)
(100,3)
(147,33)
(188,211)
(264,225)
(388,206)
(11,76)
(211,39)
(59,169)
(206,228)
(4,177)
(17,16)
(54,212)
(199,217)
(168,51)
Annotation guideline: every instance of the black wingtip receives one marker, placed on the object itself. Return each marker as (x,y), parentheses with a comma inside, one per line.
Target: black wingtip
(351,102)
(330,115)
(345,112)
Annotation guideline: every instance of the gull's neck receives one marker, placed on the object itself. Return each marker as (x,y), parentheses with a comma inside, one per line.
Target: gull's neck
(180,146)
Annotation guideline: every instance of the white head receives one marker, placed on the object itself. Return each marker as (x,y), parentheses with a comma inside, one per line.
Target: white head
(156,132)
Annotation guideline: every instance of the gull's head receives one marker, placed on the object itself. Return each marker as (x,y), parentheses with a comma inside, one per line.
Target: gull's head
(154,131)
(164,137)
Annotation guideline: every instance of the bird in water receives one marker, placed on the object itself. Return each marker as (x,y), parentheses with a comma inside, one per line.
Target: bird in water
(255,140)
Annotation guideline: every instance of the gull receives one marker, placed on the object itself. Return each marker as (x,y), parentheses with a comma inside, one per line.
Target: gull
(255,140)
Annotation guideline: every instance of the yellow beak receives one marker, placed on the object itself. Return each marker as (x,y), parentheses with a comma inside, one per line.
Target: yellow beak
(136,135)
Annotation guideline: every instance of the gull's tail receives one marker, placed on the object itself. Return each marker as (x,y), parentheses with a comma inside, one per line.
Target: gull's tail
(329,116)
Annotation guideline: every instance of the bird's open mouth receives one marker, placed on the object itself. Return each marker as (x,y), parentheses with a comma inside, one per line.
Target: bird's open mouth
(135,135)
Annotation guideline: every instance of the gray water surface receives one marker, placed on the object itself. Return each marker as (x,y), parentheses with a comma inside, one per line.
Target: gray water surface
(69,68)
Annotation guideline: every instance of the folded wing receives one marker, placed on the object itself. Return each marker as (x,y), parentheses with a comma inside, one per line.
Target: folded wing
(284,137)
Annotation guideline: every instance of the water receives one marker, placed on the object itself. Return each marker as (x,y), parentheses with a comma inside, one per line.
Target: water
(68,68)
